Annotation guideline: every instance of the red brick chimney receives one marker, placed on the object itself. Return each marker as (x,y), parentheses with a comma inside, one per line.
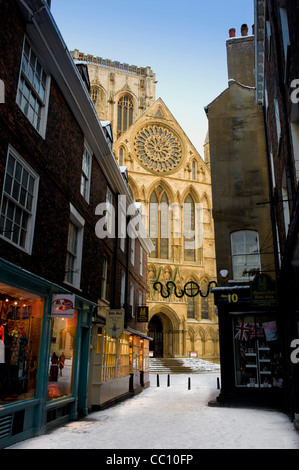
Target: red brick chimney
(244,30)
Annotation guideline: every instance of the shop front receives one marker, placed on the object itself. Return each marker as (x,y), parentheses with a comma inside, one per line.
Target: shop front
(119,367)
(43,356)
(252,368)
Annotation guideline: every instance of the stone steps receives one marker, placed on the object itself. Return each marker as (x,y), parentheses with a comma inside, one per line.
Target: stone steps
(168,366)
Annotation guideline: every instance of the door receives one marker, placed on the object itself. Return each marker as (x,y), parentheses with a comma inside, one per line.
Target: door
(155,331)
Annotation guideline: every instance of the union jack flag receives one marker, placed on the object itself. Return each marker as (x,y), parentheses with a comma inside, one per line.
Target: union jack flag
(243,330)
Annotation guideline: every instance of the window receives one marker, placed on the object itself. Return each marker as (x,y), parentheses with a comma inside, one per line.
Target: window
(123,289)
(19,201)
(21,324)
(105,278)
(86,173)
(140,298)
(132,297)
(285,33)
(74,249)
(124,114)
(159,232)
(141,261)
(33,89)
(277,118)
(258,359)
(204,301)
(245,254)
(121,157)
(109,211)
(193,170)
(62,359)
(189,229)
(133,251)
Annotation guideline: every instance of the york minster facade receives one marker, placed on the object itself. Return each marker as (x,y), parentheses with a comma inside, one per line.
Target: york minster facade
(171,183)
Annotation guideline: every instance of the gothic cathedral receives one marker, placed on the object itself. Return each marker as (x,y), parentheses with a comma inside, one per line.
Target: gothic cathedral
(172,183)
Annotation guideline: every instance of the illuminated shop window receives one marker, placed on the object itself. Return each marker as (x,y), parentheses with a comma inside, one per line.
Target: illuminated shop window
(62,357)
(258,361)
(21,315)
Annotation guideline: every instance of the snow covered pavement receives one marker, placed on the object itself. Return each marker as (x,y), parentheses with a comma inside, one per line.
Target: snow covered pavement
(173,418)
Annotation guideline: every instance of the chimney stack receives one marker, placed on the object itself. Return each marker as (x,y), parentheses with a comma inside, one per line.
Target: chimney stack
(244,30)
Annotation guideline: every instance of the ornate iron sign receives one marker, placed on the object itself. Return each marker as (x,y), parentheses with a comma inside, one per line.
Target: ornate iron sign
(191,289)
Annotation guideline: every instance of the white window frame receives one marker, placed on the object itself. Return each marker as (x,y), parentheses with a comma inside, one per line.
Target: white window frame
(243,254)
(277,119)
(77,220)
(104,279)
(16,202)
(133,251)
(86,173)
(132,293)
(285,35)
(109,204)
(28,92)
(141,261)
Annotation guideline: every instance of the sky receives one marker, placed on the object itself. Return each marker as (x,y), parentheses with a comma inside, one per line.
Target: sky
(184,43)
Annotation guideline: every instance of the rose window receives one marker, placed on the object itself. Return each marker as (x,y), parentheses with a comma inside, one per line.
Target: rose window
(158,149)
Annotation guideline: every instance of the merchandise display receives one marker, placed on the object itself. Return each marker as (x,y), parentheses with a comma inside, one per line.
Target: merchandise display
(258,361)
(20,333)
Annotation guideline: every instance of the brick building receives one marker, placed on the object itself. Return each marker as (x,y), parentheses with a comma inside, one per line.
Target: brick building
(56,169)
(277,73)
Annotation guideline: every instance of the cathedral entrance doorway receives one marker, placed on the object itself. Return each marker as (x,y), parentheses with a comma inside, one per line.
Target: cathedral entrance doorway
(155,331)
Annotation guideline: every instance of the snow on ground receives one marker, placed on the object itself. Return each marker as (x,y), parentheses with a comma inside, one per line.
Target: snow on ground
(173,418)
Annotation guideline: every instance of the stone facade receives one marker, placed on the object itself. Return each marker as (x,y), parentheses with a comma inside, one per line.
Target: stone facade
(164,166)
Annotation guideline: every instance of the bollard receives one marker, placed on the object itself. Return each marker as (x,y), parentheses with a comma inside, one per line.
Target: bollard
(168,380)
(218,383)
(189,383)
(158,382)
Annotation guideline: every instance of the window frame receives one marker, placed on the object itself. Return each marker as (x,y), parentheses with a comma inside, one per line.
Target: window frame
(85,190)
(24,78)
(31,214)
(76,220)
(234,266)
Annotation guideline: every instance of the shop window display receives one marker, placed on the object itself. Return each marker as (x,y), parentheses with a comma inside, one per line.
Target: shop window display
(258,361)
(21,316)
(62,355)
(115,356)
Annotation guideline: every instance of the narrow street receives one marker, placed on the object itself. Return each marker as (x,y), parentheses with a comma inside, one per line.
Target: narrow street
(173,417)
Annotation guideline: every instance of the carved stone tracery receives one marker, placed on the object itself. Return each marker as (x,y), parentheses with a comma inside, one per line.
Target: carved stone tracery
(158,149)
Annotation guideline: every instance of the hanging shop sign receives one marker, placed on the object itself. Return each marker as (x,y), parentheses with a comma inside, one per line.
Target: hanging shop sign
(115,321)
(142,314)
(263,291)
(63,306)
(191,289)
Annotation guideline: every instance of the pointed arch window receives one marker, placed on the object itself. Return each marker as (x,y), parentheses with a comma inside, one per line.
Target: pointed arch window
(159,223)
(189,229)
(121,157)
(124,114)
(193,168)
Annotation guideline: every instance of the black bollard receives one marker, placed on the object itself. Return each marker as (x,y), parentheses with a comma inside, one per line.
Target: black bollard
(168,380)
(218,383)
(189,383)
(158,382)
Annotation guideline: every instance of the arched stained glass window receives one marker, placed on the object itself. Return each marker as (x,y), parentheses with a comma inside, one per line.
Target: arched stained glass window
(159,223)
(124,114)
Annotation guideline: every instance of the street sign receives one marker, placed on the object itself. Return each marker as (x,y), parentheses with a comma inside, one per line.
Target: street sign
(142,314)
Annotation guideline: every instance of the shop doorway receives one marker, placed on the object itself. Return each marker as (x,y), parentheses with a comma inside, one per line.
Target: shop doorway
(155,331)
